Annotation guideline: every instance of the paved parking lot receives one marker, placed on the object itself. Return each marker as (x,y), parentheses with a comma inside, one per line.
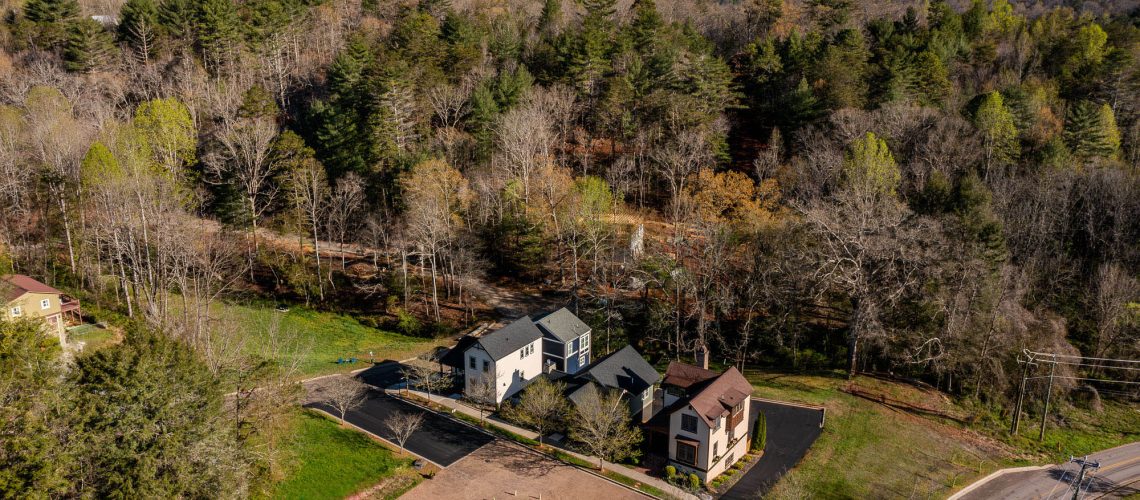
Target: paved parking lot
(439,439)
(502,470)
(791,431)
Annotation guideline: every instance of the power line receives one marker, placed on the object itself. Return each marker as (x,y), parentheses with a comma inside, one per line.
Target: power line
(1043,354)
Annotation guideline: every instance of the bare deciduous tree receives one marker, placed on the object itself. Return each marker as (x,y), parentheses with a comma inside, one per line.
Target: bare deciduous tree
(541,406)
(402,425)
(601,423)
(344,393)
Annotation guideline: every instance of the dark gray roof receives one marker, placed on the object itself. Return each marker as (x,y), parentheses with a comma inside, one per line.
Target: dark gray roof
(579,394)
(510,338)
(563,325)
(622,369)
(456,355)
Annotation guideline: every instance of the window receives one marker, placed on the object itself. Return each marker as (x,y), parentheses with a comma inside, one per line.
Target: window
(582,359)
(45,304)
(715,446)
(486,366)
(471,362)
(16,311)
(730,460)
(688,423)
(686,453)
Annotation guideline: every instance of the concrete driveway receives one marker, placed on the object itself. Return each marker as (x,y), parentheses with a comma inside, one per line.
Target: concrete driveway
(791,431)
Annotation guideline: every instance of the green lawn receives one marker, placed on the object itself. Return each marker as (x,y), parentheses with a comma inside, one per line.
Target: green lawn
(329,336)
(329,461)
(92,336)
(870,451)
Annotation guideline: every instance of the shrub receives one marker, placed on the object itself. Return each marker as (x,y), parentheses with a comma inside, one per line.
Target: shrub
(694,481)
(670,471)
(760,433)
(407,323)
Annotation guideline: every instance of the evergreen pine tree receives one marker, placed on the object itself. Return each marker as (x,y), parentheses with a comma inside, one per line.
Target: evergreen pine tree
(1091,131)
(52,20)
(551,18)
(51,11)
(216,24)
(138,22)
(88,46)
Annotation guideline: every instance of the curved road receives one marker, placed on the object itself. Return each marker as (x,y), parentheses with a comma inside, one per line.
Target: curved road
(1117,477)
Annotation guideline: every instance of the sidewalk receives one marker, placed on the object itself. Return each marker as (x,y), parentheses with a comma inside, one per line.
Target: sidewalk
(529,434)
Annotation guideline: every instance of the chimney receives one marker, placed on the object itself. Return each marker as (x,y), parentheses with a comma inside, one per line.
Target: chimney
(702,356)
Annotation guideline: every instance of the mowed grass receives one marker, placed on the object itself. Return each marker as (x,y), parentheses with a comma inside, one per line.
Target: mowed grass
(870,451)
(330,461)
(325,337)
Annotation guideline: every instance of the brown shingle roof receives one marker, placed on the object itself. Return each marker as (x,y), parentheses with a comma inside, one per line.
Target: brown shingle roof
(12,286)
(686,376)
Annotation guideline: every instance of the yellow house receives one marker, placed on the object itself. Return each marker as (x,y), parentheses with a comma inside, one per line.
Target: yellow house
(25,297)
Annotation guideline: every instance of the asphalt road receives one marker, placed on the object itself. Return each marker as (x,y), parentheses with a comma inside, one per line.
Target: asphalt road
(791,431)
(1117,477)
(382,375)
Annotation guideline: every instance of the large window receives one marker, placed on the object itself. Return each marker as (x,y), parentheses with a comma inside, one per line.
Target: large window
(688,423)
(686,453)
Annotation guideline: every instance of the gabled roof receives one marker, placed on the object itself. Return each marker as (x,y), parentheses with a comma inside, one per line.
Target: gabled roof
(12,286)
(510,338)
(562,325)
(685,376)
(721,395)
(622,369)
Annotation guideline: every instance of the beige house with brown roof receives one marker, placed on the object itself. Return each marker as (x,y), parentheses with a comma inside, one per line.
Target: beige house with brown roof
(25,297)
(703,426)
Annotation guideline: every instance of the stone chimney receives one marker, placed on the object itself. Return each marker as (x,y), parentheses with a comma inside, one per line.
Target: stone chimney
(702,355)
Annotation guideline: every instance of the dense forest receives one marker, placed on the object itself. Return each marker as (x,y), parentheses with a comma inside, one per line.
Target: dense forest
(922,189)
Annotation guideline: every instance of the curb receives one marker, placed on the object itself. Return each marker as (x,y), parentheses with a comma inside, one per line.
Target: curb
(993,475)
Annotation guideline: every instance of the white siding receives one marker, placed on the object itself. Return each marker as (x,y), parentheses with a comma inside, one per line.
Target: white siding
(708,438)
(512,373)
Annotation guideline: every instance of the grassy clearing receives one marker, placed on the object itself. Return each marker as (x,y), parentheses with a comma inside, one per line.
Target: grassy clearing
(92,336)
(868,450)
(329,336)
(1085,430)
(329,461)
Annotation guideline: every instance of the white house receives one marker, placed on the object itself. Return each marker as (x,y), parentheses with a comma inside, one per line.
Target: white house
(704,422)
(510,356)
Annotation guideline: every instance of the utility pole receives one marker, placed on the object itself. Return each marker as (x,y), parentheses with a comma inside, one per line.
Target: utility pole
(1021,391)
(1085,464)
(1048,395)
